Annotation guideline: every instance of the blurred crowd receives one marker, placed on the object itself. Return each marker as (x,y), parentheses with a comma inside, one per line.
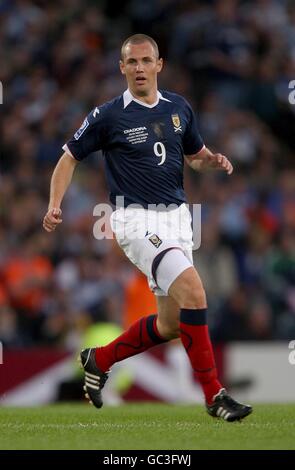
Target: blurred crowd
(233,60)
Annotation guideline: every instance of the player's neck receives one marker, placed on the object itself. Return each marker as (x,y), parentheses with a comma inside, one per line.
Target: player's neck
(150,98)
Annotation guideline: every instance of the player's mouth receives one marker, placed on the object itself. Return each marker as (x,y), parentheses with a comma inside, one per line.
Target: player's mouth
(140,80)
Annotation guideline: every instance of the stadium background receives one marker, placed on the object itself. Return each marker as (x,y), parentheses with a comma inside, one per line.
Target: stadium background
(233,60)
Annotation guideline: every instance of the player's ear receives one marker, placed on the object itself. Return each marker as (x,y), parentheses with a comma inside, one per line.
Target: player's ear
(159,65)
(122,67)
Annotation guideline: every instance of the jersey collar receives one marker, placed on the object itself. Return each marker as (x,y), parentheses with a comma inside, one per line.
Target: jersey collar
(128,97)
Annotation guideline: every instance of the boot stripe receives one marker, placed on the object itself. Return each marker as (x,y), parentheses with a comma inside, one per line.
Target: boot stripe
(95,387)
(93,381)
(92,376)
(219,411)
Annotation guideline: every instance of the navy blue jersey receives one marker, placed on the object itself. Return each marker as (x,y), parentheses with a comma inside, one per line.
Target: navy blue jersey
(143,146)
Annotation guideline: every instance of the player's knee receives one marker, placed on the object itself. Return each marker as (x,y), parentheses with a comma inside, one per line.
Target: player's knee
(169,330)
(188,291)
(193,297)
(172,333)
(194,294)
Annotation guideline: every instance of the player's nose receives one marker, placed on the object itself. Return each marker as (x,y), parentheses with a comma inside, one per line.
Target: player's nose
(139,67)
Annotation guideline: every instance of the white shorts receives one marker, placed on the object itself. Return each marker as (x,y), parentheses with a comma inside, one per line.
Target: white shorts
(144,234)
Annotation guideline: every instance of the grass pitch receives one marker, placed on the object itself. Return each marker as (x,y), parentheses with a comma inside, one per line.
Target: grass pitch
(144,426)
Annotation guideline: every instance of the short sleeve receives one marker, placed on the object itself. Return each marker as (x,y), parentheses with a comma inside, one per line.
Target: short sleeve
(192,141)
(89,137)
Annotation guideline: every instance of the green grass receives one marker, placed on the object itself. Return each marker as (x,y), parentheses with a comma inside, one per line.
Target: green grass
(144,426)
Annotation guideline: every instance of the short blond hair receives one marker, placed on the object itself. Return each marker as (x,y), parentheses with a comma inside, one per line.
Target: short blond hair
(139,39)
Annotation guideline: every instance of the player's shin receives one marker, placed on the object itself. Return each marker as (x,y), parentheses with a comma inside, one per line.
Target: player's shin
(141,336)
(195,338)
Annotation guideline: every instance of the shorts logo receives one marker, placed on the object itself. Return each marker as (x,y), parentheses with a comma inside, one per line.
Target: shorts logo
(176,122)
(82,129)
(155,240)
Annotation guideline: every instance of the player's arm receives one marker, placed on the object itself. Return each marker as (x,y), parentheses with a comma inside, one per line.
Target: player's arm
(86,140)
(60,180)
(206,160)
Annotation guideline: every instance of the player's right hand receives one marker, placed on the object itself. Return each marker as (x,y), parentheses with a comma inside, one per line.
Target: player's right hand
(52,219)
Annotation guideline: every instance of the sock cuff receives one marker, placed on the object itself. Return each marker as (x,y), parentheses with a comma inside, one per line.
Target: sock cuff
(193,316)
(151,326)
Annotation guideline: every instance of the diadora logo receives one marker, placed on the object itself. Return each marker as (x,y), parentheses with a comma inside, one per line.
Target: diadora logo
(176,123)
(95,112)
(135,129)
(136,135)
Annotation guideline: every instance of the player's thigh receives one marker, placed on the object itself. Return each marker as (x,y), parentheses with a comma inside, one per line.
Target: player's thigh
(168,312)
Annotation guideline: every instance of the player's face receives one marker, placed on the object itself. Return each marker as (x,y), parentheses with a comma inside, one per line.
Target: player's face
(141,66)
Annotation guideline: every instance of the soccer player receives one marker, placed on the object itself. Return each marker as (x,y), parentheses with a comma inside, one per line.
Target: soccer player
(145,136)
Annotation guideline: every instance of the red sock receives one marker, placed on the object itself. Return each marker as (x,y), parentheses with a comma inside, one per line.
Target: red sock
(142,335)
(195,338)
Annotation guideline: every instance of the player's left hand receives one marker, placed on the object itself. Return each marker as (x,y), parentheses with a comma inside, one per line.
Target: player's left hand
(219,162)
